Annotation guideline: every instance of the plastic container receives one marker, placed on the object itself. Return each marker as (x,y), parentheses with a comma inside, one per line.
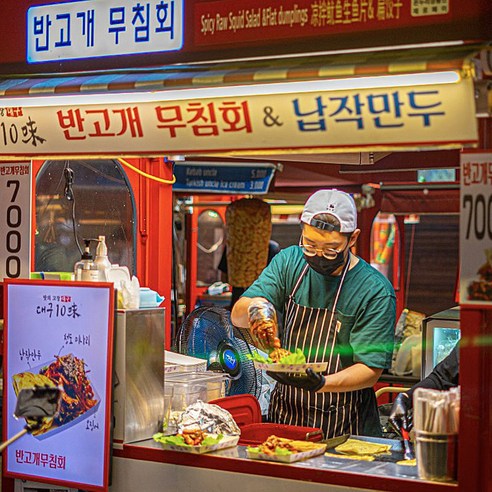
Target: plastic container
(193,386)
(149,298)
(86,270)
(436,456)
(246,411)
(253,434)
(101,260)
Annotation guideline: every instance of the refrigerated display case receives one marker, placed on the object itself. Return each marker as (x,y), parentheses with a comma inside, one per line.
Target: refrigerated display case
(440,333)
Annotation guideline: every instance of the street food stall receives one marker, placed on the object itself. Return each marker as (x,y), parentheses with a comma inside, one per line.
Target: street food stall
(116,118)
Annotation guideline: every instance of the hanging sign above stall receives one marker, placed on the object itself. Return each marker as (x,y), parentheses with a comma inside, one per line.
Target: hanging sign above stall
(77,30)
(15,222)
(221,23)
(260,119)
(476,228)
(247,178)
(60,334)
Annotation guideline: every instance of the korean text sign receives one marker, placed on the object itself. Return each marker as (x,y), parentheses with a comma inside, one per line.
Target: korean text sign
(60,334)
(476,228)
(15,219)
(75,30)
(385,117)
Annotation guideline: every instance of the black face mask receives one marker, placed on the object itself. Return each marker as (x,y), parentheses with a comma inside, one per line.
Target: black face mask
(323,265)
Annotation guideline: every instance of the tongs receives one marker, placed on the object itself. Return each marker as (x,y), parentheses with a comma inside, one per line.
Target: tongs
(408,454)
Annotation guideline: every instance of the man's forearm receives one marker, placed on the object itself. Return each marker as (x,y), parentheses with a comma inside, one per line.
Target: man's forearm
(356,377)
(239,313)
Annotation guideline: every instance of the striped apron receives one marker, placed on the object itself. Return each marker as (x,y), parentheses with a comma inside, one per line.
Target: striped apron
(314,330)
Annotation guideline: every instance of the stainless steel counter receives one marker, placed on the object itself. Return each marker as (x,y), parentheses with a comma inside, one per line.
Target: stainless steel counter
(386,468)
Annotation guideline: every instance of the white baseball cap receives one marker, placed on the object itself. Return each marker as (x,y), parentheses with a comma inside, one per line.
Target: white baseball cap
(334,202)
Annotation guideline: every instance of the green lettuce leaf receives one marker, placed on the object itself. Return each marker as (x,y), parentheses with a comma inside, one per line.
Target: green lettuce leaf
(278,451)
(296,357)
(178,440)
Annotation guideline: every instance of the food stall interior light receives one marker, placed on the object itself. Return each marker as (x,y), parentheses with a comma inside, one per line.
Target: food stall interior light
(351,83)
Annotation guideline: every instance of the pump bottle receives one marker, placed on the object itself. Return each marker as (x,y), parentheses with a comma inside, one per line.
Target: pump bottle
(85,269)
(101,261)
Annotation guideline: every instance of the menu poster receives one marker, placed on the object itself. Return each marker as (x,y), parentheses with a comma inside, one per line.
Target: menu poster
(476,228)
(60,334)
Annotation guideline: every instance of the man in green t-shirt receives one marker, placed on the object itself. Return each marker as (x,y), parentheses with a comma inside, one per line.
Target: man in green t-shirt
(337,309)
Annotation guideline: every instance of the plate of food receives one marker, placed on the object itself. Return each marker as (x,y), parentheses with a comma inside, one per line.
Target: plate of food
(195,441)
(78,399)
(285,450)
(282,360)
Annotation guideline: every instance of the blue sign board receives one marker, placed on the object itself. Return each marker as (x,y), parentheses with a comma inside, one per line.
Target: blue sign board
(251,179)
(82,29)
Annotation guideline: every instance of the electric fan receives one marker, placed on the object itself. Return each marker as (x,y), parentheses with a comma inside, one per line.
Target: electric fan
(207,333)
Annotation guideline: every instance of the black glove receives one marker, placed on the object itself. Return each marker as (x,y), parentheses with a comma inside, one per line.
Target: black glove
(309,381)
(400,413)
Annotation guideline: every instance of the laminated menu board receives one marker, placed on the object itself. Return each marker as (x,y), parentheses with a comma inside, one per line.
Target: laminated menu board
(60,334)
(476,228)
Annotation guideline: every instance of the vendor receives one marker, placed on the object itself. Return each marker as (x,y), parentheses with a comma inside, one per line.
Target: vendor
(443,377)
(338,309)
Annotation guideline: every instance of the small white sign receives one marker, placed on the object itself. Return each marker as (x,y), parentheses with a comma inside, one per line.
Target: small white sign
(15,220)
(476,228)
(421,8)
(88,29)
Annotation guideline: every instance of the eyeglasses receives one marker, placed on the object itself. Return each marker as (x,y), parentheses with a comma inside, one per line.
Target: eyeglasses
(328,253)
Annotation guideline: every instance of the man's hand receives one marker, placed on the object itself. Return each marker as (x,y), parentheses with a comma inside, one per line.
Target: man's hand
(308,381)
(400,413)
(263,324)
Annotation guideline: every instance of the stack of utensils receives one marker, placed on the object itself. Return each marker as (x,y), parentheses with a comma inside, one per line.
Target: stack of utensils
(436,425)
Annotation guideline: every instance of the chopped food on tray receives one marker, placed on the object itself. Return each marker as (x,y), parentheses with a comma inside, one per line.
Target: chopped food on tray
(188,438)
(282,446)
(69,372)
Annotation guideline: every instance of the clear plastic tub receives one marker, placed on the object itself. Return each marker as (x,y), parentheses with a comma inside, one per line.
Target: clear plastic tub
(187,388)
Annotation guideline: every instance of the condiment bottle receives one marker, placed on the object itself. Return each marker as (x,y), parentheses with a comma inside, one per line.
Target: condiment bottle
(85,269)
(101,261)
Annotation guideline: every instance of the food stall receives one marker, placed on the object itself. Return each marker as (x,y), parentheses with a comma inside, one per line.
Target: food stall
(149,108)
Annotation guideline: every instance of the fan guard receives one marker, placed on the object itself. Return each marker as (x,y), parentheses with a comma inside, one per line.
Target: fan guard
(207,333)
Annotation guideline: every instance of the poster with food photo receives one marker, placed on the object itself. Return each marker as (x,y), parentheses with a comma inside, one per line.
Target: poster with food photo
(59,335)
(476,228)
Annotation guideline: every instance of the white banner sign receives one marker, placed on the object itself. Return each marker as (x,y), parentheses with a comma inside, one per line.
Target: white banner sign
(476,228)
(15,220)
(75,30)
(377,118)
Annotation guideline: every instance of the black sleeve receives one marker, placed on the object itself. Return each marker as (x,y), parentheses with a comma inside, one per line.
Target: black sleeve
(222,266)
(444,376)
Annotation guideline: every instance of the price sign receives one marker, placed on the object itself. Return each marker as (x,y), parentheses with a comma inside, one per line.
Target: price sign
(476,228)
(60,334)
(250,179)
(15,220)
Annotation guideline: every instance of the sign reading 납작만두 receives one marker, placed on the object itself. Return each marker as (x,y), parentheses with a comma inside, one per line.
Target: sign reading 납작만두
(407,117)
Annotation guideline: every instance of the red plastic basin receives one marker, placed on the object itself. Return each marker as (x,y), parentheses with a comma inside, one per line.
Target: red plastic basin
(252,434)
